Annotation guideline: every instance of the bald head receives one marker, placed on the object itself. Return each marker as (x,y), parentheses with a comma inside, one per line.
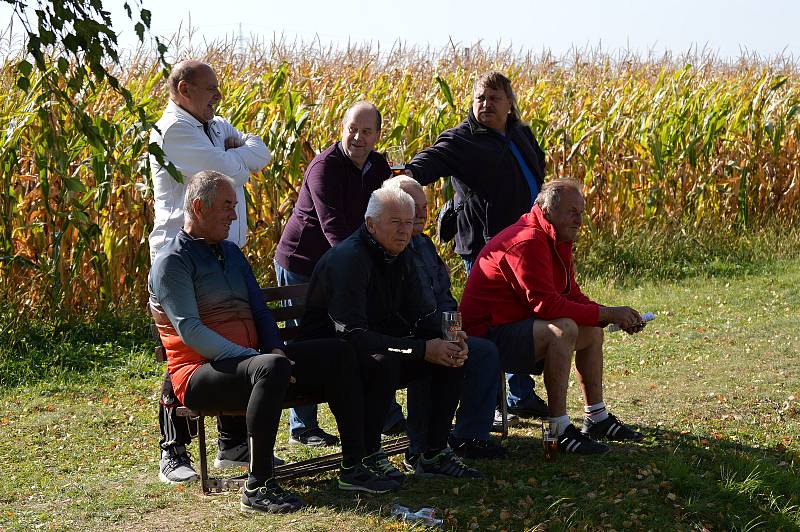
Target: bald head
(189,71)
(361,129)
(363,106)
(194,87)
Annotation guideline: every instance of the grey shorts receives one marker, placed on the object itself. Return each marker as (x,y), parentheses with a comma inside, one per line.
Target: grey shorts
(515,343)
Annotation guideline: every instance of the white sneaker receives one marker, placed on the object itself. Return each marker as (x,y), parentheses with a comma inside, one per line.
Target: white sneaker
(175,466)
(497,425)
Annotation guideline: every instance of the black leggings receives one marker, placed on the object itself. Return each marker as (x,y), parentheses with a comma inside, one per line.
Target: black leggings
(260,384)
(383,374)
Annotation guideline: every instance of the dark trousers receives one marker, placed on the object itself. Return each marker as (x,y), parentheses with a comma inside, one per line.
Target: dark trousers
(392,372)
(177,431)
(260,384)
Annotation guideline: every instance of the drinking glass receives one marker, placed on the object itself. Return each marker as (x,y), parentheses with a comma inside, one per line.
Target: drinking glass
(451,325)
(395,156)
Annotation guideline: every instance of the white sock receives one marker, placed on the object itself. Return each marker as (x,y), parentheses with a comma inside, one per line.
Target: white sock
(596,413)
(559,424)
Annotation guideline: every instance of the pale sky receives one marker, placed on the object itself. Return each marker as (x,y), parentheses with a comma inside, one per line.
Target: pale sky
(765,27)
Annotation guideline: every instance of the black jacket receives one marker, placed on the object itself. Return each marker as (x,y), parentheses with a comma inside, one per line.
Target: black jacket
(485,173)
(373,300)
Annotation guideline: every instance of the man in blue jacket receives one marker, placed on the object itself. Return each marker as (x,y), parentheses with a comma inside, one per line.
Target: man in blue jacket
(497,170)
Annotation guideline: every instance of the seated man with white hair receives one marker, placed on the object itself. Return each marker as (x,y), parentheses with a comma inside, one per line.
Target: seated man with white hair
(224,351)
(522,294)
(365,290)
(475,414)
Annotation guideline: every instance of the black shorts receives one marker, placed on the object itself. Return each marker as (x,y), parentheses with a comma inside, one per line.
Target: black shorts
(515,343)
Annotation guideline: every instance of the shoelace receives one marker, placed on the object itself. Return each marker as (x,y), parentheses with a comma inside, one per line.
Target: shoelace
(177,460)
(383,465)
(276,491)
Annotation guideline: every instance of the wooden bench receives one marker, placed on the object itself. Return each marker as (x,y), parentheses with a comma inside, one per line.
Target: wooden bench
(286,316)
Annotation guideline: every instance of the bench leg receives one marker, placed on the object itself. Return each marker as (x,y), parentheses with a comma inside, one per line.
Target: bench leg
(503,405)
(201,443)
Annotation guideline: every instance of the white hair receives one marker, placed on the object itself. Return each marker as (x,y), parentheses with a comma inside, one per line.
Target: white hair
(380,199)
(549,196)
(203,186)
(403,182)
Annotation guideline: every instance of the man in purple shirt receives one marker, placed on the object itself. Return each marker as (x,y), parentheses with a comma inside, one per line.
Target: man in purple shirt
(331,204)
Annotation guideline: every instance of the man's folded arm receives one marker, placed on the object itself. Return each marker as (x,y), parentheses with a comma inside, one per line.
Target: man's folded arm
(181,142)
(253,151)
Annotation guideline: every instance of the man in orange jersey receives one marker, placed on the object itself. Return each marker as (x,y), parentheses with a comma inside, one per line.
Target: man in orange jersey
(224,351)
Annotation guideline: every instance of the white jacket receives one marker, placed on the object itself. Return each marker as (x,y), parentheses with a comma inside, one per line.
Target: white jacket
(186,145)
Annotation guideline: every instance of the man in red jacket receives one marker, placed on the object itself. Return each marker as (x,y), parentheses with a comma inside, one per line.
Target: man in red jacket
(522,294)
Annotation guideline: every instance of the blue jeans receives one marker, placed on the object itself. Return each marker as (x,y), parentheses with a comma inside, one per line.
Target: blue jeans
(475,413)
(520,386)
(302,417)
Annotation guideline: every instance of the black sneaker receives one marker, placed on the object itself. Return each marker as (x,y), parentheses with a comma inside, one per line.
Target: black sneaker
(574,441)
(314,437)
(175,466)
(410,461)
(398,429)
(610,429)
(379,464)
(477,449)
(360,478)
(270,499)
(533,406)
(445,464)
(238,456)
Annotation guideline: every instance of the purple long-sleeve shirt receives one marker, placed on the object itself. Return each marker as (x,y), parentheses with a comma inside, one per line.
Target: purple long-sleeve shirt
(330,206)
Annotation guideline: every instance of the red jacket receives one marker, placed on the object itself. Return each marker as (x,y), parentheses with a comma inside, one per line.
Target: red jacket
(522,272)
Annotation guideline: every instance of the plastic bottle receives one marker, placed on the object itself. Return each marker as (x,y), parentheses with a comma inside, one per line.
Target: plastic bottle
(647,316)
(426,516)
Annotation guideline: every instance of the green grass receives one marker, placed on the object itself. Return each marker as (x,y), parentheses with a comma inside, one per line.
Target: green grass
(714,383)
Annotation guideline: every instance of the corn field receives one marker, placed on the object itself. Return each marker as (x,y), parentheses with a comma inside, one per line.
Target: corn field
(656,142)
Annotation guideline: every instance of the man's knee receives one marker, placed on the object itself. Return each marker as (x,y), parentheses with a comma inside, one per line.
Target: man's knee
(483,356)
(563,331)
(270,365)
(589,337)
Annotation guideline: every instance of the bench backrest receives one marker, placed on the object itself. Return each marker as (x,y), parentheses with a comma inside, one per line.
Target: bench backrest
(286,315)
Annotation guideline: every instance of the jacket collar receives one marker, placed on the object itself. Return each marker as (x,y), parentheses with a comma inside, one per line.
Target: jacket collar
(376,249)
(174,108)
(539,220)
(477,128)
(367,164)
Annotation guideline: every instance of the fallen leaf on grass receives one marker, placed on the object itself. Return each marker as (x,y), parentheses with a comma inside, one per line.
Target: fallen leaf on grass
(671,496)
(505,515)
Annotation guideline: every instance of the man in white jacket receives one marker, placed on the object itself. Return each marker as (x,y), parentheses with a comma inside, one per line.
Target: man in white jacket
(193,139)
